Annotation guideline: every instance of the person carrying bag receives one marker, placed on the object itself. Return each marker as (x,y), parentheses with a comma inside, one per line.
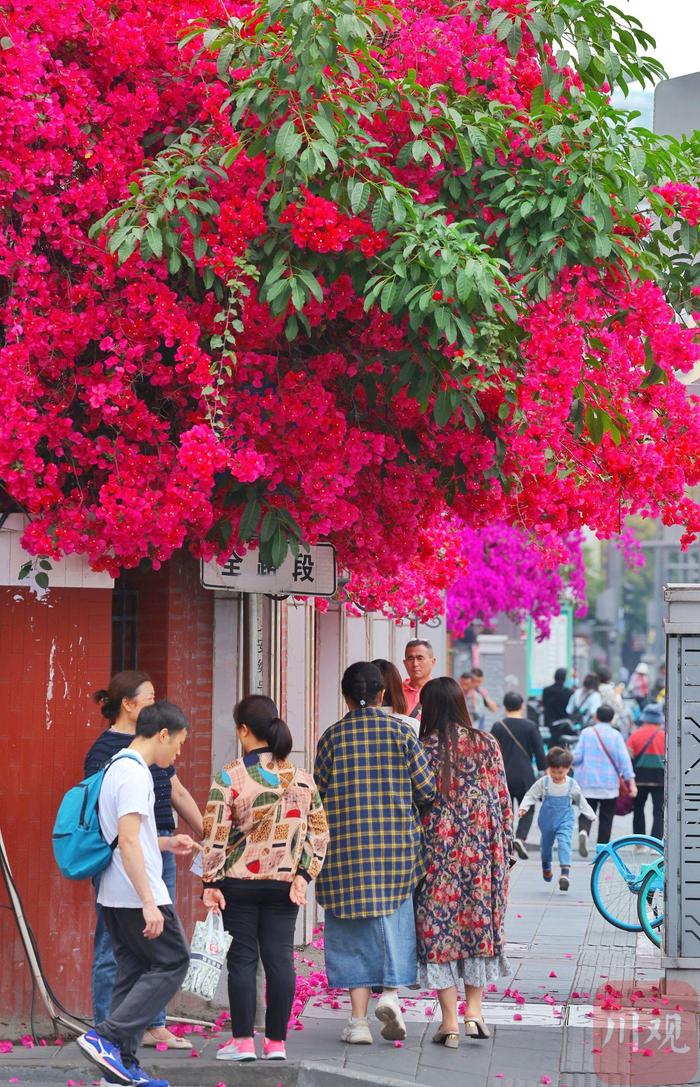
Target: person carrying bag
(603,768)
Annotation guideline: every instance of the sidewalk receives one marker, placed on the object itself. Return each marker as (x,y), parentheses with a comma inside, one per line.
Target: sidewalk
(562,953)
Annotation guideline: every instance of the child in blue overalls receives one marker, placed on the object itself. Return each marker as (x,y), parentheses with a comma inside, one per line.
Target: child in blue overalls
(558,793)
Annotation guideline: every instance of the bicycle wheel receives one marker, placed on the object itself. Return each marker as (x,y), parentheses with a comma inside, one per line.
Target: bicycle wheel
(650,903)
(617,875)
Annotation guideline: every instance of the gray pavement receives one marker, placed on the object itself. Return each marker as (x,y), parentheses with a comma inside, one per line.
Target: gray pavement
(561,952)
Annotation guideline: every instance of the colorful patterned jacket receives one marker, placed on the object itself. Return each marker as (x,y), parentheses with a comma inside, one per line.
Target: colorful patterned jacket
(263,820)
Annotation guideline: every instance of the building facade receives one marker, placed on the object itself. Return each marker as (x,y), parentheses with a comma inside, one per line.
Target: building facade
(204,650)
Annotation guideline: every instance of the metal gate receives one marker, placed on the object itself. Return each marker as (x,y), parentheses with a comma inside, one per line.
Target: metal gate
(682,838)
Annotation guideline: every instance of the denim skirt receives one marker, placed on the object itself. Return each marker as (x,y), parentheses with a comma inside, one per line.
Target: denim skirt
(375,952)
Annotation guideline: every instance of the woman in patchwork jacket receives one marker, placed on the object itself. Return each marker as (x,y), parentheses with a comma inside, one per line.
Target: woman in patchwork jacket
(265,839)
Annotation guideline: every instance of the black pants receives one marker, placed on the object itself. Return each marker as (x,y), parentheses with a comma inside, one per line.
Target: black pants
(657,799)
(517,790)
(606,814)
(261,918)
(149,973)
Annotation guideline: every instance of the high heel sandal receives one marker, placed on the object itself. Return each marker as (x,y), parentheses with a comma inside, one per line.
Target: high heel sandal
(475,1027)
(446,1038)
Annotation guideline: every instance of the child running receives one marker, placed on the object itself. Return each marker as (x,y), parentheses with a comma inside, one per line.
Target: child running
(558,793)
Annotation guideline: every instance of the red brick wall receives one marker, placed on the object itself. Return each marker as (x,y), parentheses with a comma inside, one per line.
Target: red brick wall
(176,648)
(43,741)
(52,655)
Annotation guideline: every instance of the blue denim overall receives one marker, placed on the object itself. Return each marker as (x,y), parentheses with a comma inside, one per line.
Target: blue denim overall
(556,820)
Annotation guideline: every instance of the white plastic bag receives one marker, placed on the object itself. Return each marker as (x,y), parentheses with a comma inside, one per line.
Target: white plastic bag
(210,943)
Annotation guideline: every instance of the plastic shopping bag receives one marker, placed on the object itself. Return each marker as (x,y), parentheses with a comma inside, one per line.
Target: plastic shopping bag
(210,943)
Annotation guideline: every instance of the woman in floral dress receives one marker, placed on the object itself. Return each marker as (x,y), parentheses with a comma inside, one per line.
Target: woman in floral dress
(461,904)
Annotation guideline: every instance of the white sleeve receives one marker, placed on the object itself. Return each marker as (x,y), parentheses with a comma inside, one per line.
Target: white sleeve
(131,789)
(534,793)
(579,801)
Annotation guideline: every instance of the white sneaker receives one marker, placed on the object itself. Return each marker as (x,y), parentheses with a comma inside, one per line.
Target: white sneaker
(520,848)
(583,843)
(357,1032)
(388,1011)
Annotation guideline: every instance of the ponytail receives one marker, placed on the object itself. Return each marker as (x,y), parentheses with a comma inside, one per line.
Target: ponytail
(280,741)
(260,714)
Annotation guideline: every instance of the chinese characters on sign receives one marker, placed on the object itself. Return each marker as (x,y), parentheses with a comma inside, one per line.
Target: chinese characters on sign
(310,573)
(645,1037)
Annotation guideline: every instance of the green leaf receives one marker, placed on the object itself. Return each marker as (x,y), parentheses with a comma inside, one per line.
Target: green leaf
(287,142)
(537,100)
(155,240)
(223,62)
(442,408)
(42,580)
(249,520)
(359,197)
(465,153)
(269,526)
(279,549)
(200,247)
(6,43)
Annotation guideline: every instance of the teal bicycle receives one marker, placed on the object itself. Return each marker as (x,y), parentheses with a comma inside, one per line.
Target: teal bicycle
(619,872)
(650,903)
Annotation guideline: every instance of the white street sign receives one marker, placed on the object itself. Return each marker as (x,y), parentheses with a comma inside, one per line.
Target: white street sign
(311,573)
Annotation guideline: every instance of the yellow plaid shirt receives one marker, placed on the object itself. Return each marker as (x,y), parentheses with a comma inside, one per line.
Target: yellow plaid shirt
(373,774)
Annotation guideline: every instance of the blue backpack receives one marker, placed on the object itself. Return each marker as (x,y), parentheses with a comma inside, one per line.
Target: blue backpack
(78,845)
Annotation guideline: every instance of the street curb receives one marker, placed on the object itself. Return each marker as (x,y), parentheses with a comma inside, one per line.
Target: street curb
(187,1072)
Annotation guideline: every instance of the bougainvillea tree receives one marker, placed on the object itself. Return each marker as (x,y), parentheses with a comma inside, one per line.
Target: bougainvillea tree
(356,272)
(507,571)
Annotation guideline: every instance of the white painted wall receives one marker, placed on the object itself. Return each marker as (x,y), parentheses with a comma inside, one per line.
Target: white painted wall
(73,572)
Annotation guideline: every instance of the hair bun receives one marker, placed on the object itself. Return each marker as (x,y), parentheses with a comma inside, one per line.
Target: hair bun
(101,696)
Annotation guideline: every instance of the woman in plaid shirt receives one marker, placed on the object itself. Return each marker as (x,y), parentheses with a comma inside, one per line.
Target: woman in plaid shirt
(373,775)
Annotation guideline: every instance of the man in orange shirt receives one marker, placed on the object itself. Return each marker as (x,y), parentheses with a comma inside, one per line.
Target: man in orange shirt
(419,661)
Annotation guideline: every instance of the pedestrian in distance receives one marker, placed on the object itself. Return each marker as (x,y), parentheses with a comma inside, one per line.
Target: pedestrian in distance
(461,903)
(265,839)
(374,775)
(609,695)
(478,699)
(647,746)
(558,794)
(520,743)
(584,702)
(150,948)
(127,694)
(638,685)
(419,662)
(394,704)
(555,699)
(601,760)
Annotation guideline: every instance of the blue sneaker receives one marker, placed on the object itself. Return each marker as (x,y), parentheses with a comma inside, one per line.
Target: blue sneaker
(105,1055)
(139,1078)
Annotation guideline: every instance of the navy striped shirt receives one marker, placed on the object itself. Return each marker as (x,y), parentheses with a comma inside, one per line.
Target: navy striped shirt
(107,745)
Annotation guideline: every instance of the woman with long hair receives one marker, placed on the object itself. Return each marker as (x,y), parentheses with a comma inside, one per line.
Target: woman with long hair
(265,840)
(461,903)
(394,703)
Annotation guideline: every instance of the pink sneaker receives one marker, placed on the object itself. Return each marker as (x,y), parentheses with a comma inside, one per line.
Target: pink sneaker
(238,1049)
(274,1051)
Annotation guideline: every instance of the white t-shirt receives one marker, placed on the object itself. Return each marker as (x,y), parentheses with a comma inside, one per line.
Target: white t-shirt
(127,789)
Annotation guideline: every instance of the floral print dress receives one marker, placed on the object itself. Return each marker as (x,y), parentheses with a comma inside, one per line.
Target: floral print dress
(461,904)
